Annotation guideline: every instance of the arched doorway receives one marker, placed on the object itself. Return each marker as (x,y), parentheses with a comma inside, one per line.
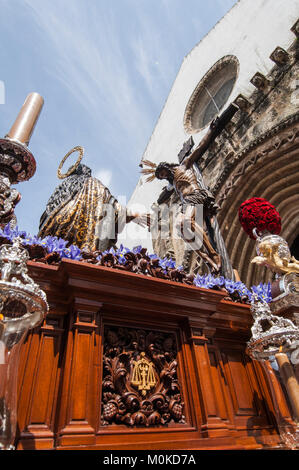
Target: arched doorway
(270,171)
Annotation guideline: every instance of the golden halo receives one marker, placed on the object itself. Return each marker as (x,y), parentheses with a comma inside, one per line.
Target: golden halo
(73,167)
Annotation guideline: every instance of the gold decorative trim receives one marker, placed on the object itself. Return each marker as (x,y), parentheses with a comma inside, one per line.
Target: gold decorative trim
(143,375)
(73,167)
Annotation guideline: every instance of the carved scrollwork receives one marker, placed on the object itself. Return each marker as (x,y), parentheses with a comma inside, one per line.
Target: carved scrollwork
(140,382)
(22,303)
(16,164)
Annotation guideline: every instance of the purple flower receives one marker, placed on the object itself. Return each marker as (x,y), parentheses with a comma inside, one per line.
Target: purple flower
(7,232)
(121,251)
(19,233)
(121,259)
(206,282)
(219,281)
(230,286)
(72,252)
(262,291)
(60,244)
(166,263)
(28,240)
(55,244)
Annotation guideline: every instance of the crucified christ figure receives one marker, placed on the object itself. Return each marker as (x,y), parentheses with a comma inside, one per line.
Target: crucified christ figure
(185,183)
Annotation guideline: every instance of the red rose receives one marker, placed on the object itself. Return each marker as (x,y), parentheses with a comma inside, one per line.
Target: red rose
(260,214)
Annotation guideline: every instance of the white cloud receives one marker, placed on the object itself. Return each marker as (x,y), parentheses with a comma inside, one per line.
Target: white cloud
(88,59)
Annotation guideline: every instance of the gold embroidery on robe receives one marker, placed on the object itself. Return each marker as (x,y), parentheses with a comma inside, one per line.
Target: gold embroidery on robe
(89,220)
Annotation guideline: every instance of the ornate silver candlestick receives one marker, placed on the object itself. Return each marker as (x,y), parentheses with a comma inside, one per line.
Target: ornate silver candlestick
(16,161)
(271,334)
(276,336)
(22,303)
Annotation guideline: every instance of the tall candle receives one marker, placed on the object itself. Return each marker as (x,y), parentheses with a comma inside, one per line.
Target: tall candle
(24,124)
(290,381)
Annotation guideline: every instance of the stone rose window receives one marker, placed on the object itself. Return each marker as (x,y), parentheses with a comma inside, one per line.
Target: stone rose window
(211,94)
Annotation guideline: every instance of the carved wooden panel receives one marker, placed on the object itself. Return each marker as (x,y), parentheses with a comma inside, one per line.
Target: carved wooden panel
(218,383)
(80,398)
(39,377)
(241,390)
(140,382)
(245,393)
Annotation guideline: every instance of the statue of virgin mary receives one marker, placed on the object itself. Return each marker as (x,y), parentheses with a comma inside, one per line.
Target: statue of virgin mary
(82,210)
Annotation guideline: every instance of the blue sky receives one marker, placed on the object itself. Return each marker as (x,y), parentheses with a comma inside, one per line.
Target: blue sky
(105,69)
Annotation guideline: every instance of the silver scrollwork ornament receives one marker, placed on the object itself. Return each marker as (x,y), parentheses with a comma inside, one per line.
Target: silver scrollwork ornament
(270,334)
(22,307)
